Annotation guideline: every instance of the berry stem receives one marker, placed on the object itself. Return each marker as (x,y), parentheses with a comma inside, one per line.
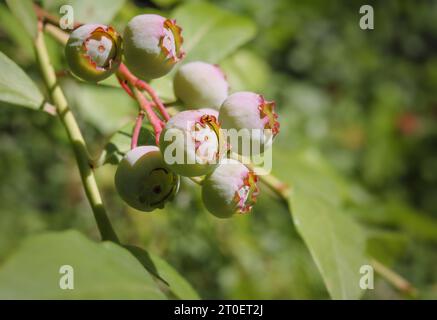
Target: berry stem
(140,84)
(124,85)
(162,109)
(137,129)
(130,84)
(147,108)
(75,136)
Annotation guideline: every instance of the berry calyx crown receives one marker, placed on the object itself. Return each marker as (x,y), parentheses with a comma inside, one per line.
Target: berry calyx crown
(171,42)
(245,196)
(108,44)
(268,115)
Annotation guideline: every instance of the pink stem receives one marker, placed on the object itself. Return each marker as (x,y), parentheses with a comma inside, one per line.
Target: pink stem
(145,86)
(147,107)
(138,83)
(124,85)
(137,129)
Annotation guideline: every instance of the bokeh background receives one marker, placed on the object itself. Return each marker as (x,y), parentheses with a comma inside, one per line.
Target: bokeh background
(361,105)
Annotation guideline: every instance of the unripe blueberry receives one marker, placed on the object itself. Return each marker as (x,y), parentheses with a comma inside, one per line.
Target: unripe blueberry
(93,52)
(231,188)
(200,84)
(192,143)
(253,117)
(143,180)
(152,45)
(212,112)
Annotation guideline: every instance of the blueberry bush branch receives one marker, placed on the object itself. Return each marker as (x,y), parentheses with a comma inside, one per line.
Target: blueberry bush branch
(136,88)
(56,33)
(75,136)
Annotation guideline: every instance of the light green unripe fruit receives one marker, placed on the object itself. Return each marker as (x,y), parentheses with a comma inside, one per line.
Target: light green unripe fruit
(93,52)
(250,121)
(200,84)
(192,143)
(143,180)
(152,45)
(230,189)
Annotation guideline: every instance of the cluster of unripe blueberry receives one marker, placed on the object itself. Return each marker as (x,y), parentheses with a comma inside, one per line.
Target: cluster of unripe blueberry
(149,176)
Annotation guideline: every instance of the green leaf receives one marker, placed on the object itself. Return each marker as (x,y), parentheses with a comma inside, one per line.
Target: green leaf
(210,34)
(164,87)
(24,12)
(120,142)
(178,287)
(101,270)
(16,32)
(245,71)
(85,11)
(106,108)
(165,3)
(16,87)
(110,82)
(336,243)
(386,247)
(400,216)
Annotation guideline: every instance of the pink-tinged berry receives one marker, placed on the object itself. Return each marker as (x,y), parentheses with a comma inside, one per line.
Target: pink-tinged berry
(200,84)
(152,45)
(93,52)
(253,118)
(192,143)
(212,112)
(230,189)
(143,180)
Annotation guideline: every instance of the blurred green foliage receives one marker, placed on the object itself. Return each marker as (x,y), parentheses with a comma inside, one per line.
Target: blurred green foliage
(358,112)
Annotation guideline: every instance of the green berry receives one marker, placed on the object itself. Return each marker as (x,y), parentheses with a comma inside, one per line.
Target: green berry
(200,84)
(143,180)
(93,52)
(253,118)
(230,189)
(152,45)
(192,143)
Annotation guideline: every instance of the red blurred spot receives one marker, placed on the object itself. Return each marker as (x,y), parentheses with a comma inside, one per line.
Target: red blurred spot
(408,123)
